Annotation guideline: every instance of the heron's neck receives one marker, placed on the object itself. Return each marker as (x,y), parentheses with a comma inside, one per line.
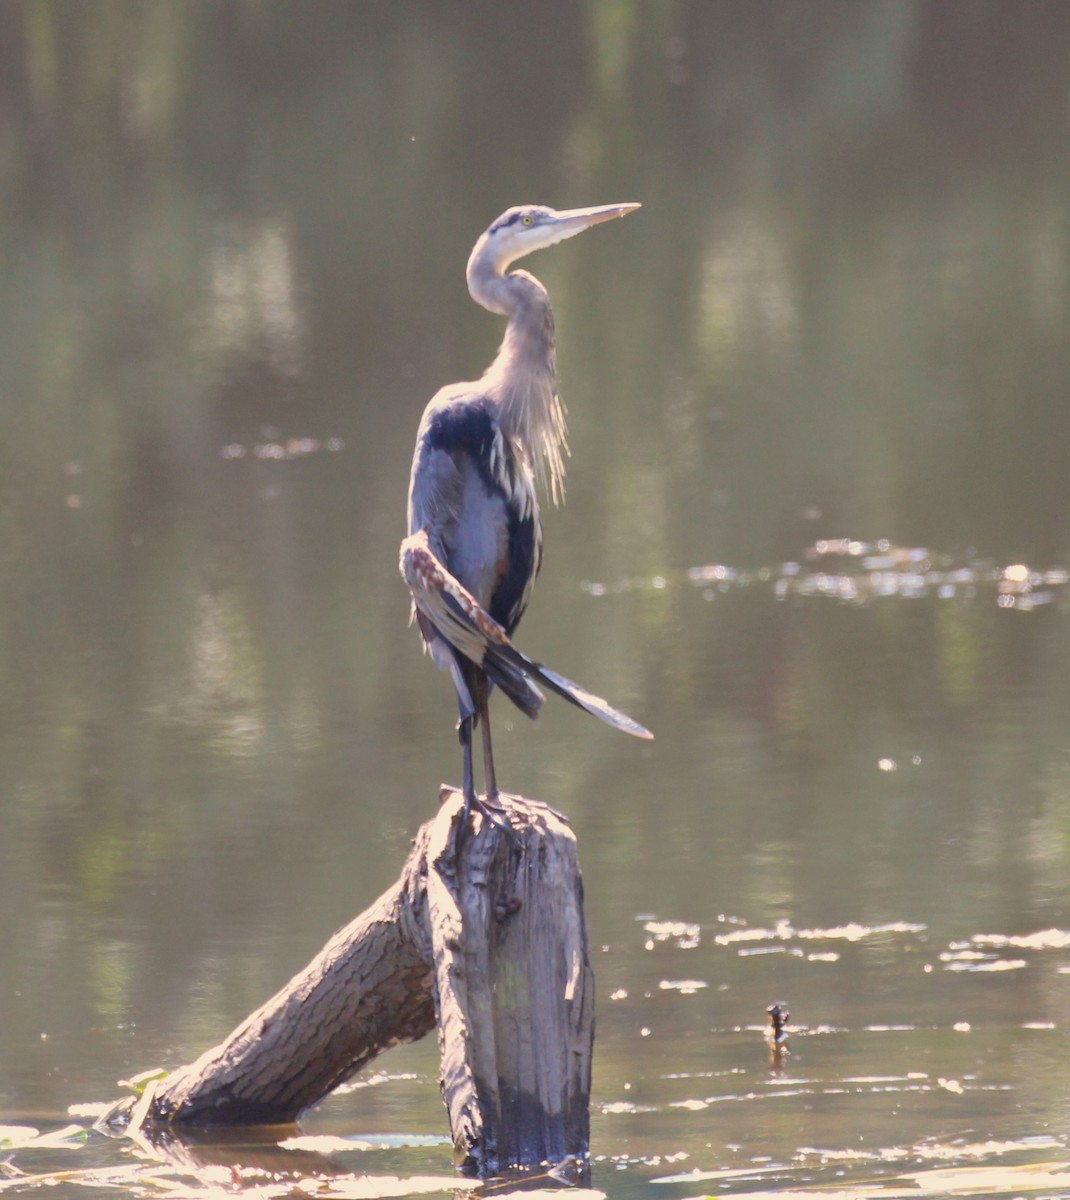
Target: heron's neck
(522,379)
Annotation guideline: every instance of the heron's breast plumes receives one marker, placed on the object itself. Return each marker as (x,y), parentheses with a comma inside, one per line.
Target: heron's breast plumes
(523,382)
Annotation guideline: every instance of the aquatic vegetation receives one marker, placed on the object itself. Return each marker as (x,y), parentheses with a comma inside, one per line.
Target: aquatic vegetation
(26,1137)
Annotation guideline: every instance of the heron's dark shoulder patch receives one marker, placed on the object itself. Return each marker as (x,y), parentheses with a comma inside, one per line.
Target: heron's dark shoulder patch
(461,424)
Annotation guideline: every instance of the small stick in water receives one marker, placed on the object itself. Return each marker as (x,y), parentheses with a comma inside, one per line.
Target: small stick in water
(777,1033)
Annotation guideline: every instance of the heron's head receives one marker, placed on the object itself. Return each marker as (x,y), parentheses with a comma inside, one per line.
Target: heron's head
(519,231)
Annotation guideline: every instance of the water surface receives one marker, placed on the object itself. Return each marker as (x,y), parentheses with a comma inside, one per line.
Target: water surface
(815,538)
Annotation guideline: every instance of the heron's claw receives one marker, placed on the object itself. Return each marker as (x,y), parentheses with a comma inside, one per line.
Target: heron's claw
(491,810)
(490,802)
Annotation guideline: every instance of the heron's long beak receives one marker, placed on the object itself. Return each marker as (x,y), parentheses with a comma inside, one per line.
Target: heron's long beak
(571,221)
(581,218)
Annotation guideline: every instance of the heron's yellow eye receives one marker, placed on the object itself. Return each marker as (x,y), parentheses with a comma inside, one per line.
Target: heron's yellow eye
(527,219)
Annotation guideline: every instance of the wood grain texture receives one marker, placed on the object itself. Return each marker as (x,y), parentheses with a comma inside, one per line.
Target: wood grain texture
(516,992)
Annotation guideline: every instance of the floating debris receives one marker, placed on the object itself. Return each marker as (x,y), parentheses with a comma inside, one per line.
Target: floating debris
(776,1033)
(281,451)
(778,1021)
(784,931)
(684,933)
(686,987)
(28,1137)
(1044,939)
(859,573)
(617,1107)
(999,964)
(325,1143)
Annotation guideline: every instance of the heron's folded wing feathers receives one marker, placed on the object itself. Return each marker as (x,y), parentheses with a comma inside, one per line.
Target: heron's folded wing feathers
(457,618)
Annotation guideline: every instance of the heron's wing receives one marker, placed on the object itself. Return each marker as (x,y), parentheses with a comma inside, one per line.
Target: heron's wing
(476,501)
(453,613)
(457,617)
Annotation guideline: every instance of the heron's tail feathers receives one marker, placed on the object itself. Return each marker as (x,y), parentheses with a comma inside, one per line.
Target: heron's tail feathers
(459,620)
(584,699)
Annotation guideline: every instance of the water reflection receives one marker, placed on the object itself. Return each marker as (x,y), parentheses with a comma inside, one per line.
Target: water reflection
(234,243)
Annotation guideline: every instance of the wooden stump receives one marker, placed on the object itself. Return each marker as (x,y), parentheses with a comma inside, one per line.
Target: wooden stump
(491,945)
(516,993)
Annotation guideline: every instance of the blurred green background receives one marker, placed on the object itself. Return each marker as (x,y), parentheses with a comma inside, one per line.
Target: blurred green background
(234,238)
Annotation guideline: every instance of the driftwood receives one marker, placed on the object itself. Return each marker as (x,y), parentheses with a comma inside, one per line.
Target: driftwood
(490,945)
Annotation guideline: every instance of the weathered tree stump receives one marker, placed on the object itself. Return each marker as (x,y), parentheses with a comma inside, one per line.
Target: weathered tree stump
(490,945)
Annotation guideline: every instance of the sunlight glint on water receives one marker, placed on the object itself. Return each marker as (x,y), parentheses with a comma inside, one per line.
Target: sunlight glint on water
(815,539)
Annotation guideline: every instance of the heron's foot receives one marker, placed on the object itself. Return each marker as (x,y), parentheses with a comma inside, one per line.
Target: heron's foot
(494,811)
(490,809)
(492,801)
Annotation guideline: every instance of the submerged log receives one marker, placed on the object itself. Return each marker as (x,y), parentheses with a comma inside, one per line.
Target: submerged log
(489,944)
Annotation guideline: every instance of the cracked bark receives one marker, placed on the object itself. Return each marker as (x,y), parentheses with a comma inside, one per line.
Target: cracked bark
(491,948)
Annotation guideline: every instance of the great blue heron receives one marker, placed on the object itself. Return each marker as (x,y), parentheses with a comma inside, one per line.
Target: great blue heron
(475,537)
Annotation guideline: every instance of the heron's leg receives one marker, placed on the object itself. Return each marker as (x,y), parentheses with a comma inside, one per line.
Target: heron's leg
(488,808)
(490,780)
(491,807)
(468,786)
